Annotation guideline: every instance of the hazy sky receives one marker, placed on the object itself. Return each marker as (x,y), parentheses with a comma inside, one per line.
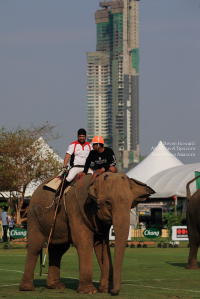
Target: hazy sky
(43,75)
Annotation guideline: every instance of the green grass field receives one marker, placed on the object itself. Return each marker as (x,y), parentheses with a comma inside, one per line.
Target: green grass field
(153,273)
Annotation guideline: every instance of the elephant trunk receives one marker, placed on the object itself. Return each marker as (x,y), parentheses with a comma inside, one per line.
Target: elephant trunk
(121,227)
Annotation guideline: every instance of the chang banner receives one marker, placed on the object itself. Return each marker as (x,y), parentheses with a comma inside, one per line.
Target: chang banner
(151,233)
(18,233)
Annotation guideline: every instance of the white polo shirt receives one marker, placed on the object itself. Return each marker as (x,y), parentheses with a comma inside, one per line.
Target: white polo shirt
(4,216)
(79,152)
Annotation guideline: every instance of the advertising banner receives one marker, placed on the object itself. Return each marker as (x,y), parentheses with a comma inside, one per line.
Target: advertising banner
(179,233)
(112,234)
(18,233)
(152,233)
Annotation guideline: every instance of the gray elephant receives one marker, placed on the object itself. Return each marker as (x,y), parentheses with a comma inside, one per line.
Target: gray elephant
(84,218)
(193,224)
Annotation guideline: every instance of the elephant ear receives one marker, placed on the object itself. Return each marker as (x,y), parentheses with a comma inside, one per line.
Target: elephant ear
(92,190)
(143,187)
(140,191)
(133,182)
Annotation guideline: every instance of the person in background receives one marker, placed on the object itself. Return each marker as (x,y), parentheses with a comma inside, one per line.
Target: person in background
(102,157)
(11,224)
(5,223)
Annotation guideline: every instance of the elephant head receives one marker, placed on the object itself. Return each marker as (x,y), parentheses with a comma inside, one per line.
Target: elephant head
(115,195)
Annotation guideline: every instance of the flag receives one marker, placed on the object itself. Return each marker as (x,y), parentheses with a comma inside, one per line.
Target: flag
(198,180)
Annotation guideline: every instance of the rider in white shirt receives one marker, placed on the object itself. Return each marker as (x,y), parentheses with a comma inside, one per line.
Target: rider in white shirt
(78,151)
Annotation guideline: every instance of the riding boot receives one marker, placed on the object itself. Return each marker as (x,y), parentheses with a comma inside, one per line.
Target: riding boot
(59,192)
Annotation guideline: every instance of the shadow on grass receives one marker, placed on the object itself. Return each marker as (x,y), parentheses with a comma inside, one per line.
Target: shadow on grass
(11,247)
(182,265)
(69,283)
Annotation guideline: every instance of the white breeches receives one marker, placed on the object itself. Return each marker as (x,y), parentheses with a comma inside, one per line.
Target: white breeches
(73,172)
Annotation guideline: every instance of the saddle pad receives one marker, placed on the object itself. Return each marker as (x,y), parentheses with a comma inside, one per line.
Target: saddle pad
(55,183)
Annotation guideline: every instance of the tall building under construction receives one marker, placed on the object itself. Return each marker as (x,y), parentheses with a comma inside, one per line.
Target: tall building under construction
(112,80)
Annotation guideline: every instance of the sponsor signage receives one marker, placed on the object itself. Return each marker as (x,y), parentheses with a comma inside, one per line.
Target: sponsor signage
(151,233)
(179,233)
(18,233)
(112,234)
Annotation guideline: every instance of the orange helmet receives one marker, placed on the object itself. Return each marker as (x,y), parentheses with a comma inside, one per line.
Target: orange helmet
(98,139)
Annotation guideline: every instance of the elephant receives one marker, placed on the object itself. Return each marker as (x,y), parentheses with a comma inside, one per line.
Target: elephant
(193,224)
(85,215)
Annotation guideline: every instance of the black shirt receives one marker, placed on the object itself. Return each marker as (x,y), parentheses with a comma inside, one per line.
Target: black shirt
(104,159)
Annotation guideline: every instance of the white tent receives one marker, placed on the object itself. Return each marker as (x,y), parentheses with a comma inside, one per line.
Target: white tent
(170,182)
(159,159)
(44,149)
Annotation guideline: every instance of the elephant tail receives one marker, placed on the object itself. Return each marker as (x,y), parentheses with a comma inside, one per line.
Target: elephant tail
(188,194)
(40,262)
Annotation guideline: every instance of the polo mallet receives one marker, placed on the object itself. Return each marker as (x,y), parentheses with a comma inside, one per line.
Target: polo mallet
(53,224)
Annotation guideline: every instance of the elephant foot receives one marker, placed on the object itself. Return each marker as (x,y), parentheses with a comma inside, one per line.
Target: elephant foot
(26,286)
(115,291)
(87,289)
(55,285)
(192,266)
(105,287)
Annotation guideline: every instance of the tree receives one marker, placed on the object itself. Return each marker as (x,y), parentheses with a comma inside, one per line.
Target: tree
(176,219)
(173,219)
(24,159)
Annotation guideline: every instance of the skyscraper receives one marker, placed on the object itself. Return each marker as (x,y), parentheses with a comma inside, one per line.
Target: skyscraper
(112,80)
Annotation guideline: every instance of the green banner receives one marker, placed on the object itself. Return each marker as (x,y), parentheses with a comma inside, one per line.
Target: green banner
(18,233)
(197,180)
(151,233)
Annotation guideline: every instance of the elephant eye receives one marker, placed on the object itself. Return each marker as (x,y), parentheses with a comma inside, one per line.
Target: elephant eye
(108,203)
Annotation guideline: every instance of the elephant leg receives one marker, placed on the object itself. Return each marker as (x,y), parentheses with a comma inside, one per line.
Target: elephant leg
(34,247)
(192,260)
(102,251)
(55,255)
(194,239)
(84,241)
